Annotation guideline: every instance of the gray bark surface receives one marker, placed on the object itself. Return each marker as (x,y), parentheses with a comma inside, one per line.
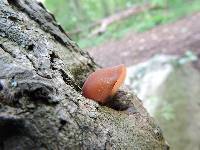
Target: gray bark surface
(41,107)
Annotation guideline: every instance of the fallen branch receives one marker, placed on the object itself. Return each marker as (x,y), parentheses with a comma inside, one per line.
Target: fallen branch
(135,10)
(105,22)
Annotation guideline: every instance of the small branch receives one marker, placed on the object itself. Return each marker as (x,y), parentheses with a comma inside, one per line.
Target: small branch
(135,10)
(105,22)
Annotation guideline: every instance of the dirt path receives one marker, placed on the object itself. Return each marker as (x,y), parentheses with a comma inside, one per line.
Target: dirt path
(175,38)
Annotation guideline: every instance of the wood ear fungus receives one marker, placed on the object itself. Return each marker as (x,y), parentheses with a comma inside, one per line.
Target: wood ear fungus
(104,83)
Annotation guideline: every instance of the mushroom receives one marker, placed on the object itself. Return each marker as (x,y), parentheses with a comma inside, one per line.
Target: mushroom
(104,83)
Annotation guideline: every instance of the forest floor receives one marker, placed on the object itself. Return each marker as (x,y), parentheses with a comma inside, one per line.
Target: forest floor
(175,38)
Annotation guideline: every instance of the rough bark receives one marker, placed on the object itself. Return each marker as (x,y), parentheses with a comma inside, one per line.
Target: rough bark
(41,106)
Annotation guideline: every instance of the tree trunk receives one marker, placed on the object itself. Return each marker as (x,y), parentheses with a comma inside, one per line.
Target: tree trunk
(41,106)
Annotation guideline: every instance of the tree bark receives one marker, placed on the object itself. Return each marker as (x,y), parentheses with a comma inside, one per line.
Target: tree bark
(41,106)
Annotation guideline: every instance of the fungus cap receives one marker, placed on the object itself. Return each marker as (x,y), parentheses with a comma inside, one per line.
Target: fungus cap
(103,83)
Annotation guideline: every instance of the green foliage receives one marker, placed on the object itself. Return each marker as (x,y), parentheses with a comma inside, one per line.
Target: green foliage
(189,56)
(167,112)
(79,14)
(159,2)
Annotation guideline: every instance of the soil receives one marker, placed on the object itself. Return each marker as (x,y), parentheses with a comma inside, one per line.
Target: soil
(175,38)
